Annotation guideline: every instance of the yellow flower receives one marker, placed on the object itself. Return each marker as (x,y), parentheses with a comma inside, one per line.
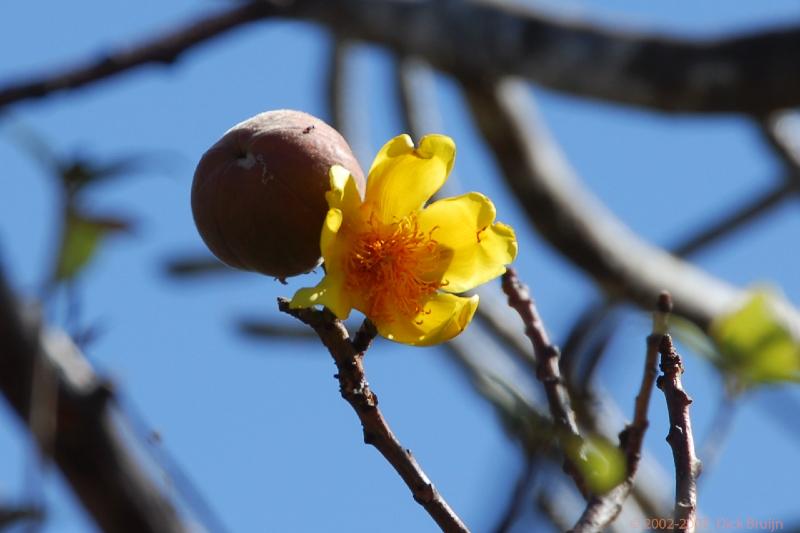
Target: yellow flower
(399,263)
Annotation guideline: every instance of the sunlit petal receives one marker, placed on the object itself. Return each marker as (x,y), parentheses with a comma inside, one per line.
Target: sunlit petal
(403,178)
(477,248)
(343,194)
(443,317)
(330,238)
(329,292)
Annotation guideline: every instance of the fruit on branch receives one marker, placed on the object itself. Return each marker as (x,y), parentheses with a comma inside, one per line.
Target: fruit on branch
(258,196)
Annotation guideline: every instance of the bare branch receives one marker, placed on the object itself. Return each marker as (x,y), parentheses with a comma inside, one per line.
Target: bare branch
(11,516)
(164,49)
(349,359)
(416,92)
(784,143)
(336,85)
(680,438)
(780,130)
(746,73)
(604,509)
(191,265)
(577,224)
(94,458)
(272,329)
(344,99)
(737,218)
(519,496)
(752,73)
(548,373)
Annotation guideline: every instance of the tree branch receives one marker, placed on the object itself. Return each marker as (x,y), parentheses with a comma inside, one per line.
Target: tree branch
(519,496)
(547,371)
(85,443)
(577,224)
(603,510)
(680,439)
(739,217)
(753,73)
(165,49)
(349,359)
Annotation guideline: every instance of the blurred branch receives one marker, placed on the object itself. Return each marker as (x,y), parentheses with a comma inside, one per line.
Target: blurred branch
(602,510)
(782,133)
(745,73)
(580,333)
(547,372)
(719,430)
(680,438)
(87,446)
(550,509)
(337,85)
(349,358)
(752,73)
(519,496)
(189,265)
(416,90)
(520,417)
(262,328)
(737,218)
(576,223)
(346,111)
(784,140)
(164,49)
(12,516)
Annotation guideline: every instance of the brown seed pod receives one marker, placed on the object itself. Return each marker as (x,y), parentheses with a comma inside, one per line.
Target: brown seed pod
(258,195)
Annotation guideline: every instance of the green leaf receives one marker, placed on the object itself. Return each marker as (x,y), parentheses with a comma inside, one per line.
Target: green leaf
(601,463)
(81,238)
(755,342)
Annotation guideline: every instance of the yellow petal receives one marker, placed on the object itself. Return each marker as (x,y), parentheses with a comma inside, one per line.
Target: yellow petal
(478,248)
(443,317)
(329,292)
(344,193)
(403,178)
(329,239)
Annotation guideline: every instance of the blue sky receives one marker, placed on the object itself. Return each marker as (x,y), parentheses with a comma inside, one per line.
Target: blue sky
(260,427)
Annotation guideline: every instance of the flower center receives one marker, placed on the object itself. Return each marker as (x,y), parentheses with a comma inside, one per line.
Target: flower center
(390,267)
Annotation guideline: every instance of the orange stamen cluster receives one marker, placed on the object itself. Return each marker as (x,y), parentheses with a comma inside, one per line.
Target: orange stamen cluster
(390,266)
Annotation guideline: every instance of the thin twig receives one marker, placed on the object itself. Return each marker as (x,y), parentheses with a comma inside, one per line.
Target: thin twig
(546,503)
(580,333)
(739,217)
(602,510)
(164,49)
(547,371)
(718,430)
(519,496)
(349,359)
(680,438)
